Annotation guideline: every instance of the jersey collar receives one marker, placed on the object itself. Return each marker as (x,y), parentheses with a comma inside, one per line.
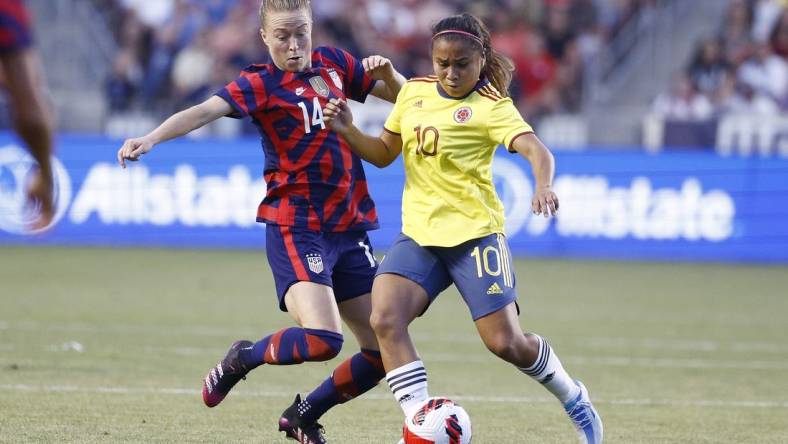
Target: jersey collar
(480,84)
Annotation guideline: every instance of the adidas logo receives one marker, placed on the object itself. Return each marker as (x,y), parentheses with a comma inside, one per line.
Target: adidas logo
(547,378)
(494,289)
(418,104)
(407,397)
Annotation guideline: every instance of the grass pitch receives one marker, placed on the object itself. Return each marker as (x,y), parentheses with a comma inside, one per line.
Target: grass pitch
(100,345)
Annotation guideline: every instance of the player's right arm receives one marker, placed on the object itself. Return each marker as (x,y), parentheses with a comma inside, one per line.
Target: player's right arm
(176,125)
(379,151)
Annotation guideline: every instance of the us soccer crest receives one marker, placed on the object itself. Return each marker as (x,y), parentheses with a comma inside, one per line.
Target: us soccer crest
(315,262)
(320,86)
(335,78)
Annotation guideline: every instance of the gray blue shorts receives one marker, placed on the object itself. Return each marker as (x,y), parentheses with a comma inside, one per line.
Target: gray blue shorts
(480,268)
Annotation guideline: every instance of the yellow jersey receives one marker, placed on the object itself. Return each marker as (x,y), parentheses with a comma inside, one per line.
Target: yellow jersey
(447,146)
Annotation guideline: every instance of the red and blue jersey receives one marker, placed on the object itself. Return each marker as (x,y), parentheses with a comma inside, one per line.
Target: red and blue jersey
(314,180)
(15,33)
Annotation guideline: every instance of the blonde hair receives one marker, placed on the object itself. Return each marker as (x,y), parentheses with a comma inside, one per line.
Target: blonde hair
(267,6)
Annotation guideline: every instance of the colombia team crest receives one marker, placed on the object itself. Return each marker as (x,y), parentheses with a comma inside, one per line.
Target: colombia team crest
(315,262)
(463,114)
(319,85)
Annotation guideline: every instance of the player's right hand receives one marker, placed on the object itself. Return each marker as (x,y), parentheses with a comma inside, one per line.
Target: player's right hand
(338,116)
(133,149)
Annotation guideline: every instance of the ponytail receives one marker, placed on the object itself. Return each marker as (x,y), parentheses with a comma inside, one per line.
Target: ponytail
(497,67)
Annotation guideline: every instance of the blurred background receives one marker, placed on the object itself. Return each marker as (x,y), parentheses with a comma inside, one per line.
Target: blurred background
(607,84)
(661,282)
(608,73)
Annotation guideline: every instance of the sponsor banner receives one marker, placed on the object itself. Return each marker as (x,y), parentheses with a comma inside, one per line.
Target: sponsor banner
(624,205)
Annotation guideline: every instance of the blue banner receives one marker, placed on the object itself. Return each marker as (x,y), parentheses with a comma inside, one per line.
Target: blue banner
(617,205)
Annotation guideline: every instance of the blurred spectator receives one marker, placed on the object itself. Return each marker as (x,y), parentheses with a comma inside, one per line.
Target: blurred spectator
(708,68)
(736,31)
(121,86)
(766,73)
(192,70)
(557,31)
(779,35)
(683,102)
(741,98)
(745,70)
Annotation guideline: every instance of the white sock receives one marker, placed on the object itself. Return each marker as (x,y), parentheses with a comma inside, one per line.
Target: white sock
(409,385)
(549,372)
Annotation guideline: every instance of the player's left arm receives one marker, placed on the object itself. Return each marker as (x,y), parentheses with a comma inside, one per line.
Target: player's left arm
(389,80)
(543,166)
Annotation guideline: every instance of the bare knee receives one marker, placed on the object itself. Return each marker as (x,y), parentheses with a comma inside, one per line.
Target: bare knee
(504,346)
(388,323)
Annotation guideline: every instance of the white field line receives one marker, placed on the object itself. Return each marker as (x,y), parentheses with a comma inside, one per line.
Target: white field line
(586,342)
(378,396)
(484,358)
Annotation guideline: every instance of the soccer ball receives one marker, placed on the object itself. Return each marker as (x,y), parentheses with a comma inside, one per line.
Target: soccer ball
(437,421)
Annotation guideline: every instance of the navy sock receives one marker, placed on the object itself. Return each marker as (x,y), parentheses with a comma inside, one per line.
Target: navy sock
(356,375)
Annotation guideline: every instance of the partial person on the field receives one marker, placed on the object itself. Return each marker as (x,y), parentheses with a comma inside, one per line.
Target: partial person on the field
(317,209)
(22,78)
(447,127)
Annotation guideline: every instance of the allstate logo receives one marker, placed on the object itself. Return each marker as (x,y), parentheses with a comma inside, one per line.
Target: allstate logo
(16,164)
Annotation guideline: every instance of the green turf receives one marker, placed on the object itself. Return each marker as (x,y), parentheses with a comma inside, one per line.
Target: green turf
(672,353)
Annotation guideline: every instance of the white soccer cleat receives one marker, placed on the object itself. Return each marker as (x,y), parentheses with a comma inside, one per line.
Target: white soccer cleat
(584,417)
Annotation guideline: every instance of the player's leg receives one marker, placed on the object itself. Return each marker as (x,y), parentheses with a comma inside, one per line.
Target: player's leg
(532,355)
(353,273)
(481,269)
(353,377)
(24,82)
(304,291)
(409,279)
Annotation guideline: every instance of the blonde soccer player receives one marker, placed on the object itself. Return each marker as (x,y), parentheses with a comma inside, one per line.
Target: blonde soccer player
(317,211)
(447,127)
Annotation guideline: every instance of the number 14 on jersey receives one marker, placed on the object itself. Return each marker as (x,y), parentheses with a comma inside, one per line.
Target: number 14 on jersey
(317,115)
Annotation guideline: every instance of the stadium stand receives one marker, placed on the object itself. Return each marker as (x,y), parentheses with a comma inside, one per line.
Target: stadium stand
(734,87)
(168,54)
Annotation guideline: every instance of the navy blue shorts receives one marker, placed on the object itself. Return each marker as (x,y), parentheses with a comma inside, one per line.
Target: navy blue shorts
(480,268)
(343,261)
(15,31)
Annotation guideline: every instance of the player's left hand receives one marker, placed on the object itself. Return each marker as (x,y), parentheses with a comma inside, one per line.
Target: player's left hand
(378,67)
(544,202)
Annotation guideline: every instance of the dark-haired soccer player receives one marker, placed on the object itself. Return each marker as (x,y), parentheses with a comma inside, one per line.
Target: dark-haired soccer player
(447,127)
(20,74)
(317,209)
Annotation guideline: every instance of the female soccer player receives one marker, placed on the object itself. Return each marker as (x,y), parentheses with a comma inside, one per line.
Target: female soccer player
(447,127)
(317,209)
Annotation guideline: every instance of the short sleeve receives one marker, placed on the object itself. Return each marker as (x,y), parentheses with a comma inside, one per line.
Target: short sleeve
(506,123)
(358,84)
(246,94)
(393,122)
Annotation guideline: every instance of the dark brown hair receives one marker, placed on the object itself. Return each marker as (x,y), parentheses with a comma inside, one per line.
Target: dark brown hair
(497,67)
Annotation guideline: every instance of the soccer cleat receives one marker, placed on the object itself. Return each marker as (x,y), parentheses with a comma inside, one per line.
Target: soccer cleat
(225,375)
(298,429)
(585,418)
